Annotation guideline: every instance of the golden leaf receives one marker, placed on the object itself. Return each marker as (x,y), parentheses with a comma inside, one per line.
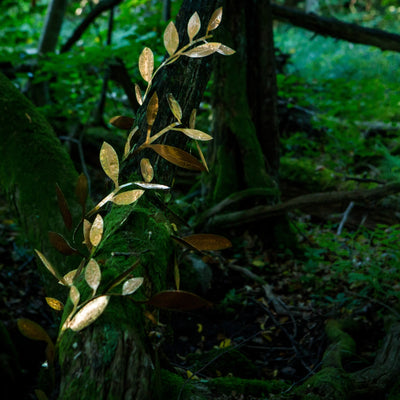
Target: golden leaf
(146,64)
(82,190)
(177,157)
(122,122)
(61,244)
(174,106)
(129,197)
(32,330)
(225,50)
(171,38)
(109,162)
(127,148)
(96,230)
(131,285)
(152,109)
(49,266)
(89,313)
(146,169)
(146,185)
(203,241)
(55,304)
(138,93)
(69,277)
(192,119)
(203,50)
(194,25)
(215,20)
(64,209)
(202,158)
(194,134)
(93,274)
(74,295)
(86,233)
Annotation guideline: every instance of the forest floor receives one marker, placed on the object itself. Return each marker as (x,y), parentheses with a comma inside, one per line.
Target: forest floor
(266,322)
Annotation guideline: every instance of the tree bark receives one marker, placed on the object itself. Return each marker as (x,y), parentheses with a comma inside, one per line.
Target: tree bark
(341,30)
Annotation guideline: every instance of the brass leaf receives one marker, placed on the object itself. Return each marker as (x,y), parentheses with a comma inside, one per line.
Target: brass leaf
(192,119)
(122,122)
(171,38)
(89,313)
(215,20)
(129,197)
(174,106)
(61,244)
(146,64)
(54,304)
(225,50)
(47,264)
(194,25)
(194,134)
(70,277)
(86,233)
(146,169)
(109,162)
(93,274)
(138,93)
(203,50)
(64,209)
(152,109)
(146,185)
(127,148)
(178,157)
(82,190)
(96,230)
(74,295)
(178,300)
(131,285)
(32,330)
(202,158)
(203,241)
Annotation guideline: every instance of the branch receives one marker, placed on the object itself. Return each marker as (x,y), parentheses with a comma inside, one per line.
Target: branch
(263,212)
(79,31)
(337,29)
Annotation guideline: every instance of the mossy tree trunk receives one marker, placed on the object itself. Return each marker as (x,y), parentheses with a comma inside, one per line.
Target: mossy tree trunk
(246,147)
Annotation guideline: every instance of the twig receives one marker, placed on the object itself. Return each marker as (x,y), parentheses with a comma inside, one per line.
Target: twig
(344,219)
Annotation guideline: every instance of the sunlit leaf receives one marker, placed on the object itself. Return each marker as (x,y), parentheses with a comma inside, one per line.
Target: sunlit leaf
(129,197)
(64,208)
(194,25)
(109,162)
(174,106)
(146,185)
(194,134)
(202,158)
(177,157)
(192,119)
(89,313)
(205,241)
(178,300)
(61,244)
(96,230)
(47,264)
(32,330)
(225,50)
(54,303)
(203,50)
(101,204)
(82,190)
(131,285)
(138,93)
(171,38)
(93,274)
(146,169)
(215,20)
(69,277)
(87,225)
(127,148)
(152,109)
(120,278)
(146,64)
(74,295)
(122,122)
